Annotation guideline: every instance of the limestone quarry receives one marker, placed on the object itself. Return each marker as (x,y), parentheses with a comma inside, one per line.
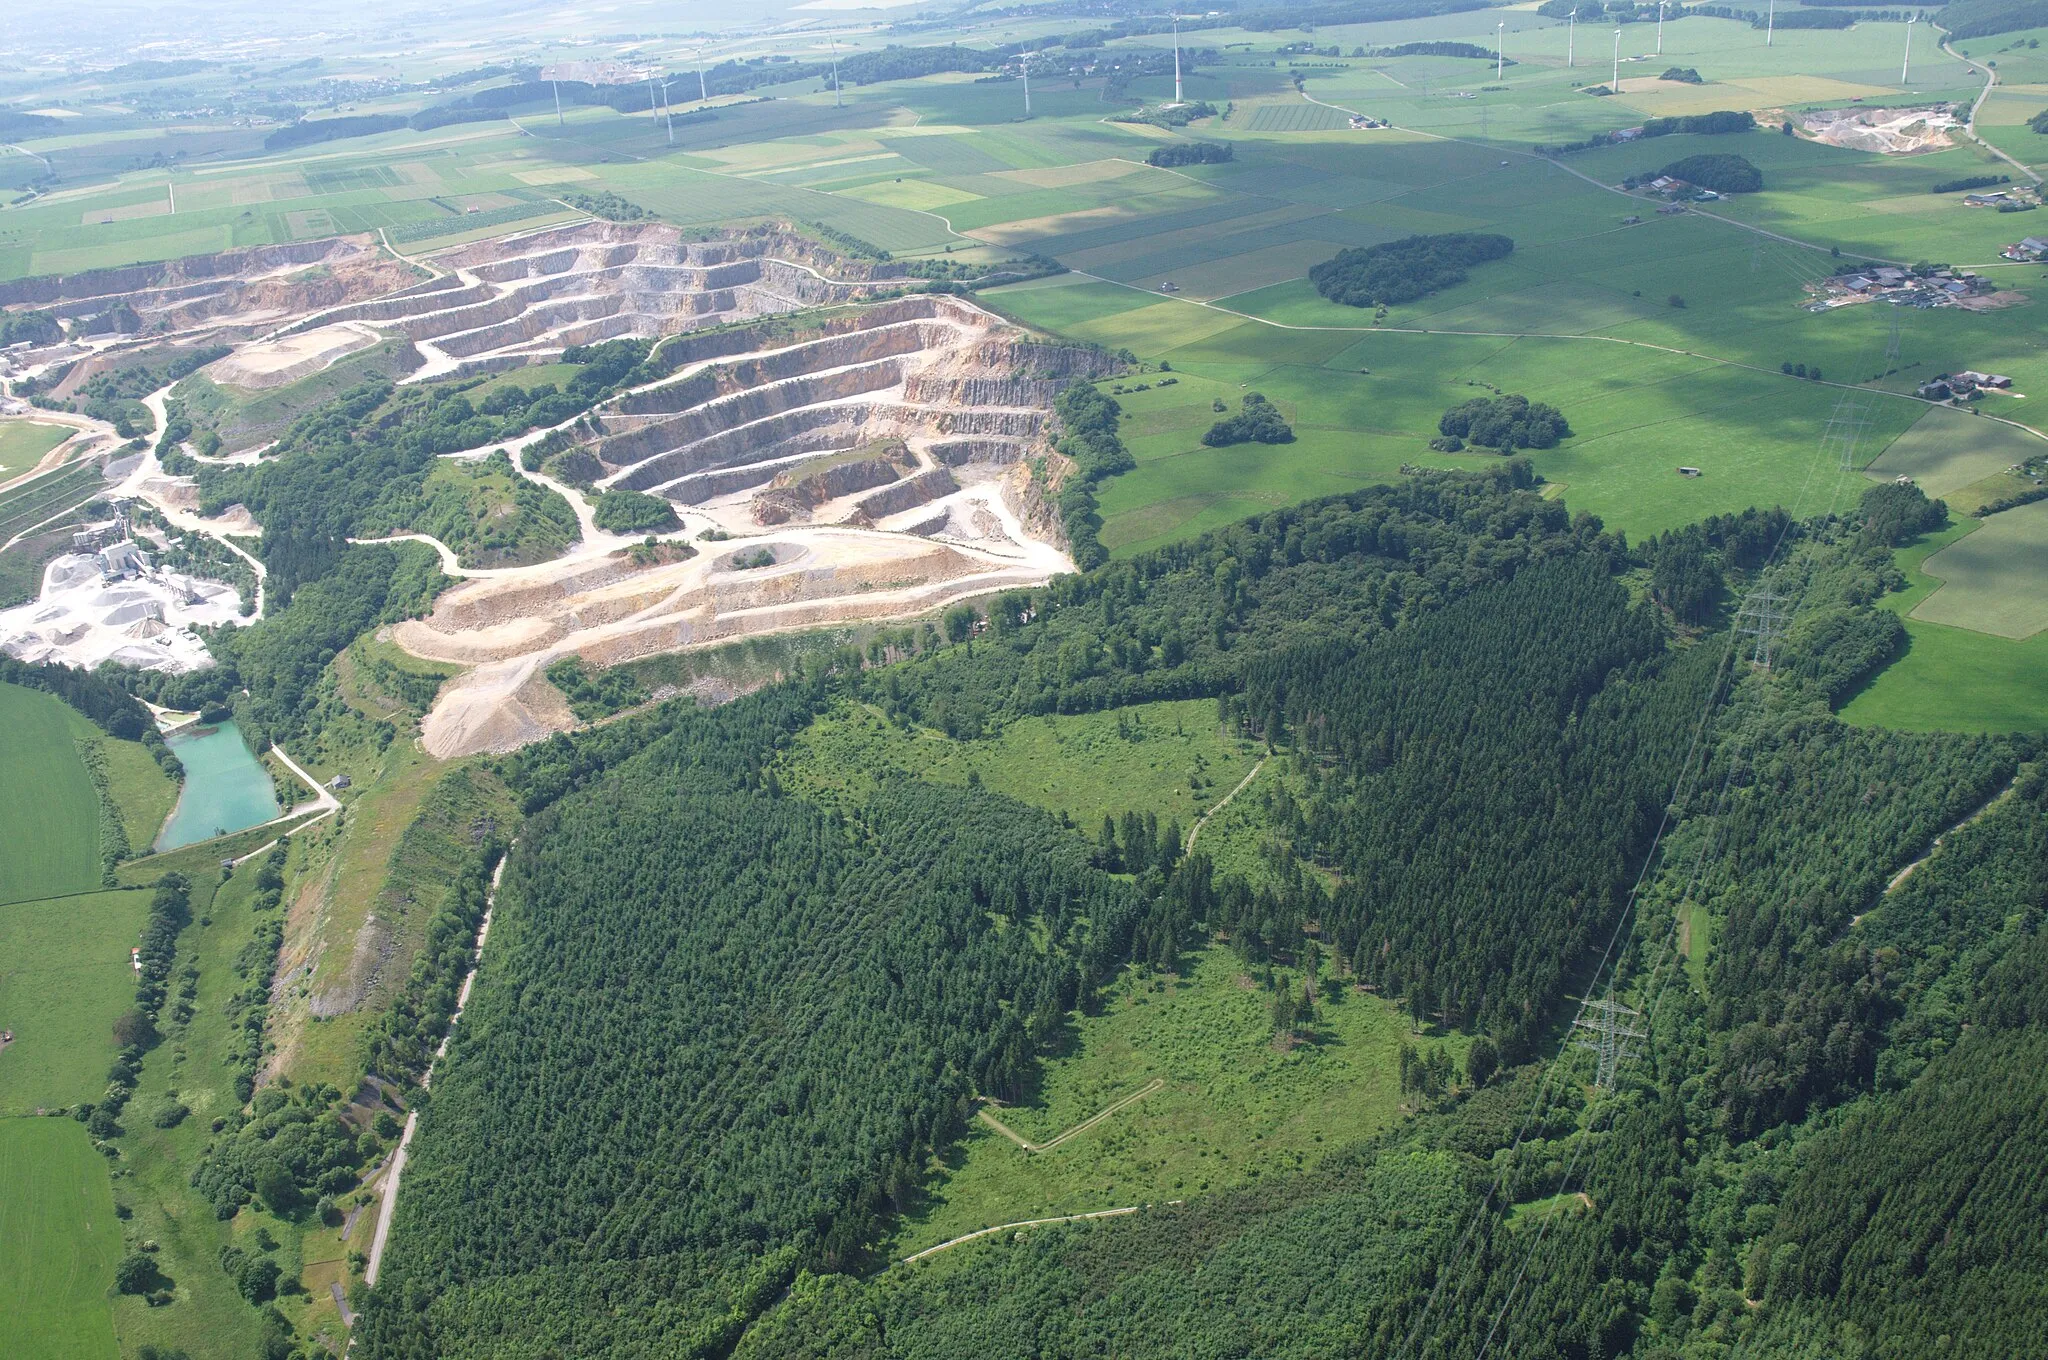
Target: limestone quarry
(1888,131)
(837,445)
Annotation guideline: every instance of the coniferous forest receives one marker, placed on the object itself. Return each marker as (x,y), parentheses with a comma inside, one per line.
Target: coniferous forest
(725,1028)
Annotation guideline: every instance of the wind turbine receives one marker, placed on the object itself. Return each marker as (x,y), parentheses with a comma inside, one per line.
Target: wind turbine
(1660,27)
(1176,58)
(703,94)
(1500,49)
(836,102)
(1615,84)
(1771,25)
(1571,39)
(668,107)
(1024,64)
(1907,65)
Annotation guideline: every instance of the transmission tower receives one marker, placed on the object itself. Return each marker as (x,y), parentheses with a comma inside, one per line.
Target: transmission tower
(1844,430)
(1609,1027)
(1763,616)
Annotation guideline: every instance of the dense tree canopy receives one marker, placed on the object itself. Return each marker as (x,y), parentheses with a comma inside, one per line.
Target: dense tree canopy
(1404,270)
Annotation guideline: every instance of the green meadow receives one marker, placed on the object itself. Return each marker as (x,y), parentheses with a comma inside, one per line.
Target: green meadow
(1953,678)
(47,803)
(23,443)
(59,1240)
(1233,1102)
(65,976)
(1169,759)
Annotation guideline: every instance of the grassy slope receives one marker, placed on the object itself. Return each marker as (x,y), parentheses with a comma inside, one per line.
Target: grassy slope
(59,1240)
(23,442)
(46,802)
(141,789)
(1139,759)
(1235,1102)
(64,977)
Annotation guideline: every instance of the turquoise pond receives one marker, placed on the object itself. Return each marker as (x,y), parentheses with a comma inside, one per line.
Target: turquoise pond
(226,787)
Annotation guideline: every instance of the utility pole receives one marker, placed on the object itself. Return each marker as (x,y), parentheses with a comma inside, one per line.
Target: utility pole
(1176,58)
(1771,25)
(1571,39)
(1500,49)
(1907,64)
(1660,27)
(1615,84)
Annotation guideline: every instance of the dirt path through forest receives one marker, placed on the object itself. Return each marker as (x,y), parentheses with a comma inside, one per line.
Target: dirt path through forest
(1152,1087)
(412,1118)
(1203,820)
(1022,1223)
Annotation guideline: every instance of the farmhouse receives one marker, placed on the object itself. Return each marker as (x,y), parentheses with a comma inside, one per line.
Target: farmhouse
(1935,391)
(1990,200)
(2029,249)
(1976,379)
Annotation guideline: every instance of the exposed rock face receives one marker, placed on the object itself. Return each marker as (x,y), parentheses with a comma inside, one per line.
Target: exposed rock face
(248,289)
(961,388)
(797,492)
(520,298)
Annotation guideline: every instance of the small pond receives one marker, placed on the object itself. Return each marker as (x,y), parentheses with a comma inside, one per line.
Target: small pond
(226,787)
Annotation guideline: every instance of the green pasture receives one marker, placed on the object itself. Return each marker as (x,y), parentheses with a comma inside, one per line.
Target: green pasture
(59,1240)
(1169,759)
(23,443)
(1951,678)
(210,1318)
(47,803)
(65,976)
(1235,1104)
(1992,581)
(1948,450)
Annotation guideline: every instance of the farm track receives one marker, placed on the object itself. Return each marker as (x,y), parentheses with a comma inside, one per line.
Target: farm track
(1891,884)
(389,1201)
(1021,1223)
(1990,74)
(1152,1087)
(1223,803)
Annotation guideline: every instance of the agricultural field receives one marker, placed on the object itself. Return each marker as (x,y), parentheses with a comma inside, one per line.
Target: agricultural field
(46,801)
(1991,580)
(59,1240)
(64,979)
(23,443)
(1953,678)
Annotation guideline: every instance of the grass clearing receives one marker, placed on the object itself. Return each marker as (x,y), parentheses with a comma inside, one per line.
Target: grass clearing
(1991,580)
(1235,1102)
(47,803)
(24,442)
(59,1240)
(64,978)
(1167,758)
